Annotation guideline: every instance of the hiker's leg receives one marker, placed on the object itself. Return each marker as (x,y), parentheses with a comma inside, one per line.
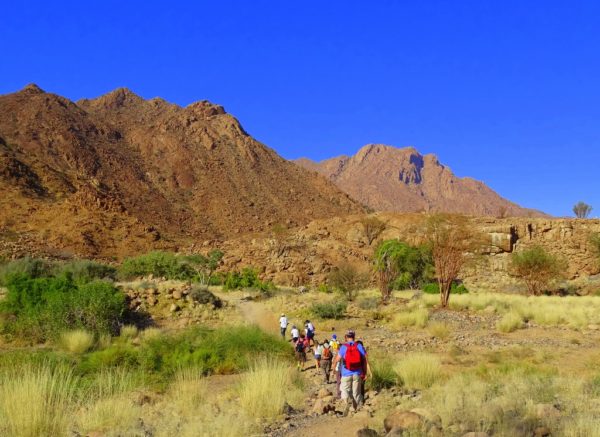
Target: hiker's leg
(356,391)
(338,384)
(346,388)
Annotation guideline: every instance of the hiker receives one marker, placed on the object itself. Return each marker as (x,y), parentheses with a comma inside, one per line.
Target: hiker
(364,371)
(326,358)
(295,334)
(309,330)
(300,348)
(334,344)
(318,352)
(283,323)
(352,358)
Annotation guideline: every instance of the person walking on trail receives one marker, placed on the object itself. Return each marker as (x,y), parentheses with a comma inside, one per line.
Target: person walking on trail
(334,344)
(309,330)
(283,323)
(352,358)
(295,334)
(300,349)
(318,352)
(326,359)
(366,370)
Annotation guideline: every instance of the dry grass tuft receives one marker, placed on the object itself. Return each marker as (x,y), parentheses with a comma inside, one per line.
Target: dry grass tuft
(419,370)
(36,401)
(439,330)
(510,322)
(417,317)
(77,341)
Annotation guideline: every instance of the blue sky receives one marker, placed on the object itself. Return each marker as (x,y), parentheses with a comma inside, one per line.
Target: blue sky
(505,92)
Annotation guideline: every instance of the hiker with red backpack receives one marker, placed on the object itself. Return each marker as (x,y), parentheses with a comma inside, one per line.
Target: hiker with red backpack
(353,359)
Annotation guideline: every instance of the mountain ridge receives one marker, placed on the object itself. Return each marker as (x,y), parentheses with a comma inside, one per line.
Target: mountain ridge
(396,179)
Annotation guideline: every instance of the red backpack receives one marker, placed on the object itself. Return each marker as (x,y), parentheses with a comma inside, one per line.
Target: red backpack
(352,358)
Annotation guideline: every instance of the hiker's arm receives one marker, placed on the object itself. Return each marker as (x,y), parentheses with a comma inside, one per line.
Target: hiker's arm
(336,360)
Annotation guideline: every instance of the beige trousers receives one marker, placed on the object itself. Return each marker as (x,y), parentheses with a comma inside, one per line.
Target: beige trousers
(351,388)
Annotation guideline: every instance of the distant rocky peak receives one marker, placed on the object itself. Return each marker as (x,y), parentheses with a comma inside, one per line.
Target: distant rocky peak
(205,109)
(32,88)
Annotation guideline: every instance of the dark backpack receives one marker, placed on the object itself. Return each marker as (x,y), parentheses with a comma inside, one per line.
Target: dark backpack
(300,346)
(352,358)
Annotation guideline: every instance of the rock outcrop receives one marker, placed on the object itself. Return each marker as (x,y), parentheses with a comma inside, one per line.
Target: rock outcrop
(387,178)
(307,254)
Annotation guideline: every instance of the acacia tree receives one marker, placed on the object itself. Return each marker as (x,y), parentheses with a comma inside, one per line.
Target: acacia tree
(393,258)
(205,266)
(373,228)
(582,210)
(536,268)
(450,239)
(348,280)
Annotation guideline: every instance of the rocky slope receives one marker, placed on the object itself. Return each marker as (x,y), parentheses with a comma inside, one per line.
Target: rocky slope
(305,256)
(120,174)
(391,179)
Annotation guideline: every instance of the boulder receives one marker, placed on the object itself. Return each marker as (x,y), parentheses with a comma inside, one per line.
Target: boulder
(428,416)
(366,432)
(177,294)
(324,393)
(402,420)
(322,407)
(542,431)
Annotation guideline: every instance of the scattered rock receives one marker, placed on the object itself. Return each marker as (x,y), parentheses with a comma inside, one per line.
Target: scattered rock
(366,432)
(174,308)
(402,420)
(542,431)
(428,415)
(322,407)
(177,294)
(324,393)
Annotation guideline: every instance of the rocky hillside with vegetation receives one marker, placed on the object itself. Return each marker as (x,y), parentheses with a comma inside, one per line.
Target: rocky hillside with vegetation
(387,178)
(119,174)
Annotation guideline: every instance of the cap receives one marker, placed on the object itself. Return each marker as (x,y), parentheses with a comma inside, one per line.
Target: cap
(334,336)
(350,334)
(282,315)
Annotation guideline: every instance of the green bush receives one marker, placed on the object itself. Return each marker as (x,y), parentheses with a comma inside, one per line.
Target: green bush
(324,288)
(434,288)
(84,270)
(42,308)
(335,310)
(160,264)
(247,278)
(32,267)
(537,268)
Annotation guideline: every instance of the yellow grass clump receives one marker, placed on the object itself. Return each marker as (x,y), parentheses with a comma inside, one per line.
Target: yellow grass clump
(417,317)
(419,370)
(439,330)
(266,387)
(36,401)
(510,322)
(77,341)
(129,332)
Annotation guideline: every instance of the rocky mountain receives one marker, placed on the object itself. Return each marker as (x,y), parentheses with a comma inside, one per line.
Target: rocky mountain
(120,174)
(387,178)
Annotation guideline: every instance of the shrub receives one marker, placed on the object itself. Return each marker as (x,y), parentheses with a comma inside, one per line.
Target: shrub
(162,264)
(324,288)
(368,303)
(335,310)
(35,401)
(582,210)
(202,295)
(384,375)
(419,370)
(43,308)
(373,227)
(536,268)
(510,322)
(348,280)
(247,278)
(129,332)
(83,271)
(77,341)
(434,288)
(267,387)
(31,267)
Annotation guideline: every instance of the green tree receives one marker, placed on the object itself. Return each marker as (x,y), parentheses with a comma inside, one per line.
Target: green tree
(394,259)
(205,266)
(536,268)
(582,210)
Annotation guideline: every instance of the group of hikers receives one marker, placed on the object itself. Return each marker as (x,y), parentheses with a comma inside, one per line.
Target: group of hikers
(347,360)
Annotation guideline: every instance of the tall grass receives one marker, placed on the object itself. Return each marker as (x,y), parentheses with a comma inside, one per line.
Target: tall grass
(510,322)
(417,317)
(419,370)
(77,341)
(36,401)
(266,387)
(439,330)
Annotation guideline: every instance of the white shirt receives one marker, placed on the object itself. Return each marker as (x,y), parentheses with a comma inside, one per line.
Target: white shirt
(295,333)
(283,322)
